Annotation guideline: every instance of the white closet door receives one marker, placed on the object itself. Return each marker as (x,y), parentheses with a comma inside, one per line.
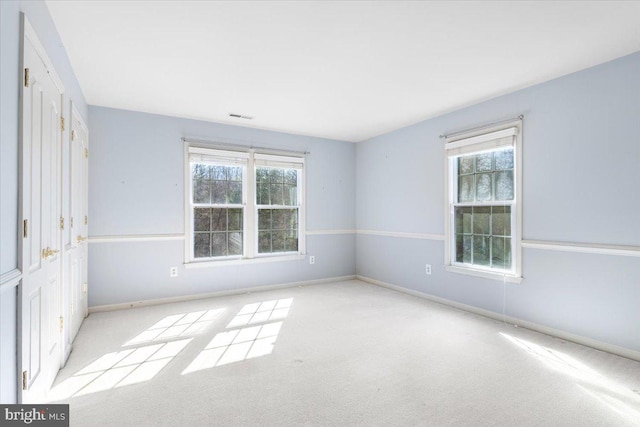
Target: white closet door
(76,252)
(40,297)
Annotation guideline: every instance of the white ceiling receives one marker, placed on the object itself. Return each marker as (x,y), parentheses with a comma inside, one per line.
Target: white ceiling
(342,70)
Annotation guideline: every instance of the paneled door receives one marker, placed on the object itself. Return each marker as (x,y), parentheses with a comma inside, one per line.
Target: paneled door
(76,247)
(40,192)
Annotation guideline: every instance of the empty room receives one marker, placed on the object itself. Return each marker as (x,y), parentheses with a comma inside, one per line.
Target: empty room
(320,213)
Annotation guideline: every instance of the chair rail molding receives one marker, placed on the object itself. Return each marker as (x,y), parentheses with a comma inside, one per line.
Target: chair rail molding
(10,279)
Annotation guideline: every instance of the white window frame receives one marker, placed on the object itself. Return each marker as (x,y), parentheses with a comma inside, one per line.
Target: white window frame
(285,162)
(247,158)
(475,142)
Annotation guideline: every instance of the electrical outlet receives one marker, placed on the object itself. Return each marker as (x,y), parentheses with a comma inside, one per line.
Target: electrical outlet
(312,259)
(427,269)
(173,272)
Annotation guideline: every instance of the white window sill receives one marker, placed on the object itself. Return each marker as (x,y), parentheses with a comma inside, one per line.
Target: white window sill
(243,261)
(510,278)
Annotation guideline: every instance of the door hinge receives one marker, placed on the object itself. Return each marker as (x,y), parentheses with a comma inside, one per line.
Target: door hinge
(24,380)
(62,123)
(61,223)
(86,220)
(25,228)
(61,323)
(26,77)
(73,134)
(71,222)
(86,153)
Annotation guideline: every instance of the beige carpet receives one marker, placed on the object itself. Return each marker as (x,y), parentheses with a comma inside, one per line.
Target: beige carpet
(339,354)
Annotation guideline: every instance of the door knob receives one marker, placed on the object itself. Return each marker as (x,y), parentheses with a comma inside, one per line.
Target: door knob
(47,252)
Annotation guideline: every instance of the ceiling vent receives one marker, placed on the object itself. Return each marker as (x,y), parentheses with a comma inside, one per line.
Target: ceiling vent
(240,116)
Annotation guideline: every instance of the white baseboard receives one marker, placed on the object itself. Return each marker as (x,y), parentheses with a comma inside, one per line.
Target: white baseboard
(183,298)
(578,339)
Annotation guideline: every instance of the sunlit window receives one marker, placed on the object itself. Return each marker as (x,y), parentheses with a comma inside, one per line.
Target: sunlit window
(243,205)
(484,196)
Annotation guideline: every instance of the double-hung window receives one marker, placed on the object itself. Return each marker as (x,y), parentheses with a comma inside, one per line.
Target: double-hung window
(243,205)
(483,200)
(278,196)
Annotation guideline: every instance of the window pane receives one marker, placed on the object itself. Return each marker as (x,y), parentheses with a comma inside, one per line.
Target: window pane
(477,180)
(278,217)
(501,220)
(465,165)
(501,253)
(234,173)
(290,195)
(218,173)
(277,241)
(219,219)
(481,250)
(199,171)
(283,227)
(235,219)
(504,159)
(235,243)
(262,194)
(291,219)
(481,220)
(201,191)
(465,188)
(218,244)
(483,186)
(291,177)
(217,184)
(264,219)
(483,162)
(463,220)
(202,219)
(504,185)
(467,246)
(276,186)
(227,235)
(219,192)
(485,231)
(291,244)
(459,248)
(262,175)
(264,242)
(275,191)
(234,192)
(202,245)
(276,175)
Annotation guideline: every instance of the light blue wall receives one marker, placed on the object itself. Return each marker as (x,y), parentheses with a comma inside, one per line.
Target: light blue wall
(581,178)
(38,15)
(136,188)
